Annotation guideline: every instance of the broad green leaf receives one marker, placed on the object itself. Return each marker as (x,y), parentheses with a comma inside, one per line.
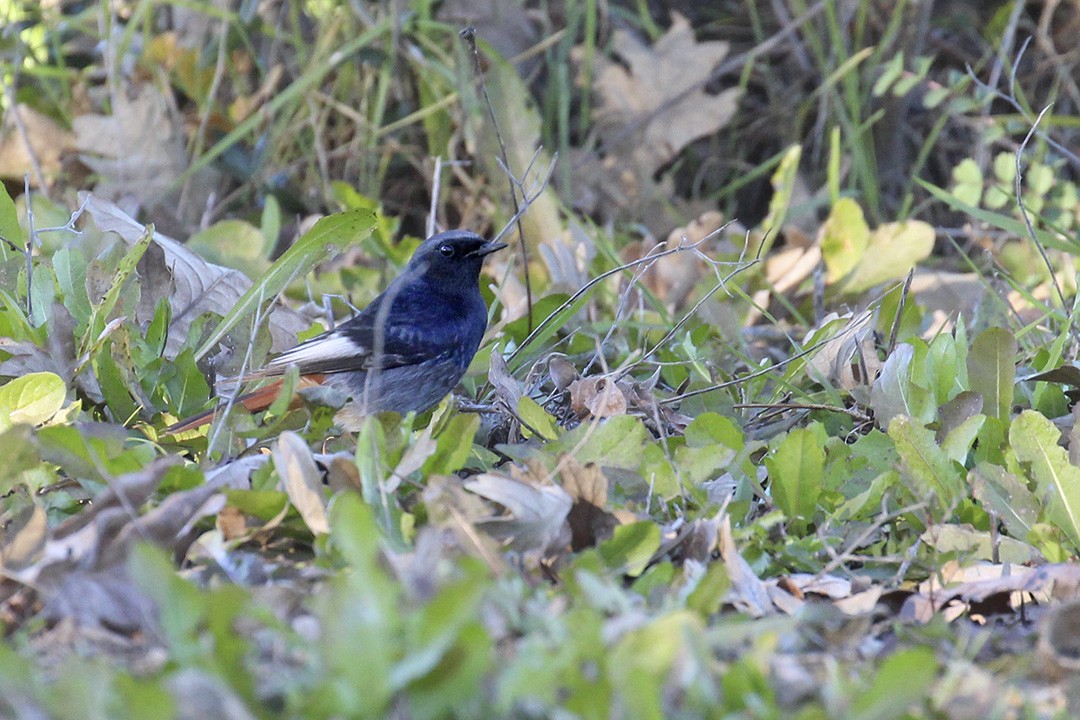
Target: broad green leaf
(631,547)
(70,268)
(894,394)
(991,366)
(432,632)
(658,473)
(958,441)
(124,270)
(1004,494)
(796,472)
(186,387)
(642,660)
(710,429)
(31,399)
(970,545)
(115,386)
(845,236)
(453,445)
(330,234)
(1034,440)
(233,243)
(925,465)
(617,442)
(901,682)
(263,504)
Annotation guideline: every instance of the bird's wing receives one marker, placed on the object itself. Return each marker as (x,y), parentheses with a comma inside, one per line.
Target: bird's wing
(354,346)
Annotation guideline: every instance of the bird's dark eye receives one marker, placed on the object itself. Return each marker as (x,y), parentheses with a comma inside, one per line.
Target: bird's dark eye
(447,251)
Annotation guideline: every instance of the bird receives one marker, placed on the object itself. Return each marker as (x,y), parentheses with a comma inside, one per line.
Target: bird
(403,352)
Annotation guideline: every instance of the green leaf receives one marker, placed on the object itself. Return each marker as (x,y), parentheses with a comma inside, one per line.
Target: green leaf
(902,681)
(783,182)
(925,464)
(115,387)
(967,181)
(617,442)
(235,244)
(124,270)
(642,660)
(890,73)
(707,597)
(535,417)
(263,504)
(32,399)
(10,229)
(453,445)
(796,472)
(1004,494)
(1034,440)
(330,234)
(186,388)
(631,547)
(991,367)
(70,268)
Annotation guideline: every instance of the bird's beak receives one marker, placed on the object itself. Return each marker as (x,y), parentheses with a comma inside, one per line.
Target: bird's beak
(487,248)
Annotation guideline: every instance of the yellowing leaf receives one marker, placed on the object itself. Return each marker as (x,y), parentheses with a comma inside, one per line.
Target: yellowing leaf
(31,399)
(894,249)
(844,238)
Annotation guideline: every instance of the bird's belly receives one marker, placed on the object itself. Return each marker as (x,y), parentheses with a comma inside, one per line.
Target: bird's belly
(400,389)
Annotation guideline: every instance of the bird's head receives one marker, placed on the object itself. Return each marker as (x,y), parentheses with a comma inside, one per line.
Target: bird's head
(453,258)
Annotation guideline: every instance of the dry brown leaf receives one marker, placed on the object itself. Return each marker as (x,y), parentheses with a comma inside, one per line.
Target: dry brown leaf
(26,137)
(138,153)
(194,287)
(589,522)
(598,397)
(507,389)
(652,109)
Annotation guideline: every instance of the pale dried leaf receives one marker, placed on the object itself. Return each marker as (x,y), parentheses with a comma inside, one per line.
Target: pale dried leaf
(598,397)
(40,139)
(537,514)
(196,286)
(302,480)
(658,106)
(748,592)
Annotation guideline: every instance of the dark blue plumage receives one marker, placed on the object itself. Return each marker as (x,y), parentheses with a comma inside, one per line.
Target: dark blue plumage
(407,349)
(411,346)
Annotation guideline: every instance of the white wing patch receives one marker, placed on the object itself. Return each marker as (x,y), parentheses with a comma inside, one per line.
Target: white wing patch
(318,350)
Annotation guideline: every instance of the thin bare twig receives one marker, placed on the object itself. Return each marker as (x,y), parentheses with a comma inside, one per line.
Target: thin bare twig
(468,34)
(1018,189)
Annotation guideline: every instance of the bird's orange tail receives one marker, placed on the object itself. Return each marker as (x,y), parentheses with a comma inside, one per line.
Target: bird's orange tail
(254,401)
